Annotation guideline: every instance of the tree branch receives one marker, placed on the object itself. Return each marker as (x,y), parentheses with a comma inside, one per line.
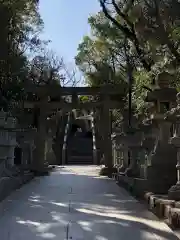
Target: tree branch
(120,13)
(116,23)
(129,34)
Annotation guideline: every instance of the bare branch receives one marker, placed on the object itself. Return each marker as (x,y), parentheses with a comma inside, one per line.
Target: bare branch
(129,33)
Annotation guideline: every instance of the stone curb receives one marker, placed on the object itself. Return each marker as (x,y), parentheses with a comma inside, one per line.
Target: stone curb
(8,185)
(164,208)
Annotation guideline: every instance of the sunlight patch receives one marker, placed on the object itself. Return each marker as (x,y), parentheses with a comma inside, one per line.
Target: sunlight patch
(36,206)
(59,204)
(34,200)
(109,195)
(100,238)
(123,224)
(28,222)
(47,235)
(85,225)
(59,218)
(151,223)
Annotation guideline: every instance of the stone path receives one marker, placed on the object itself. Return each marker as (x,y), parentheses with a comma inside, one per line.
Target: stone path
(74,203)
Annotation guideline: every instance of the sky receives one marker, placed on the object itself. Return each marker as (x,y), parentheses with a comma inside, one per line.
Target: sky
(66,24)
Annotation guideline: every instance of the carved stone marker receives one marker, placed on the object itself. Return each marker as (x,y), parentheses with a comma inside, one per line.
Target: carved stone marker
(174,116)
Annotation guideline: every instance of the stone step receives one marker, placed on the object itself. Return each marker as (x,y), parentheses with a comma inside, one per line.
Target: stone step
(80,163)
(80,160)
(80,146)
(80,149)
(79,152)
(81,141)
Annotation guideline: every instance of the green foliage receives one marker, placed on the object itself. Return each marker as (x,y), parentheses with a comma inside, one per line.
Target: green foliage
(84,99)
(142,81)
(100,57)
(145,32)
(21,25)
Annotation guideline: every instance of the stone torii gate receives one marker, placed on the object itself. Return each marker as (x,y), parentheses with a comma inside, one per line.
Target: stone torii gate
(45,105)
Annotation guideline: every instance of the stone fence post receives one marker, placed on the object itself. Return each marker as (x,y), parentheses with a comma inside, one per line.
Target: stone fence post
(7,139)
(173,116)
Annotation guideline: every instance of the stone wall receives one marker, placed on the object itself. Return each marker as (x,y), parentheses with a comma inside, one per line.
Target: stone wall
(12,176)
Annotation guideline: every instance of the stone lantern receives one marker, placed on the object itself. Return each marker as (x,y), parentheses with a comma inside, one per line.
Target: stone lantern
(3,138)
(147,141)
(2,118)
(25,138)
(120,154)
(160,171)
(128,141)
(130,144)
(11,126)
(174,116)
(120,151)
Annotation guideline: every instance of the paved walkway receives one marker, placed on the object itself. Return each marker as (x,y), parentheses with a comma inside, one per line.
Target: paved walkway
(74,203)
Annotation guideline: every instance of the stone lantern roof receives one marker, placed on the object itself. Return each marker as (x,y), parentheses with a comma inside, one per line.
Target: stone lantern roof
(162,92)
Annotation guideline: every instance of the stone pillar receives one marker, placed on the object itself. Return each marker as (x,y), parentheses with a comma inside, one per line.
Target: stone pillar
(25,153)
(93,124)
(7,139)
(133,169)
(3,142)
(65,139)
(119,153)
(174,191)
(132,146)
(87,122)
(125,161)
(39,162)
(106,123)
(11,138)
(97,127)
(25,139)
(164,131)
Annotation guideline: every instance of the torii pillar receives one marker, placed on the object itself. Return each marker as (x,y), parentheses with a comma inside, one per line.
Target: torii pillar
(39,164)
(107,144)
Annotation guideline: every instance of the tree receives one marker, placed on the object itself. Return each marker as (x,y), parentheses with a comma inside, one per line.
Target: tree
(20,24)
(152,30)
(118,13)
(71,75)
(99,57)
(45,69)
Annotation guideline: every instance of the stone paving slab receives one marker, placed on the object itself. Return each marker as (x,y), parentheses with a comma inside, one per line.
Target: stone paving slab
(74,203)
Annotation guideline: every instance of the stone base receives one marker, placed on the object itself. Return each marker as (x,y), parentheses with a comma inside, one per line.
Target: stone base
(122,168)
(137,186)
(174,217)
(8,184)
(160,205)
(164,208)
(114,176)
(162,172)
(105,171)
(132,171)
(95,159)
(41,170)
(51,158)
(174,193)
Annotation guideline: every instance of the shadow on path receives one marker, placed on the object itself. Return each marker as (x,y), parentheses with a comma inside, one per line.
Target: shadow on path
(73,204)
